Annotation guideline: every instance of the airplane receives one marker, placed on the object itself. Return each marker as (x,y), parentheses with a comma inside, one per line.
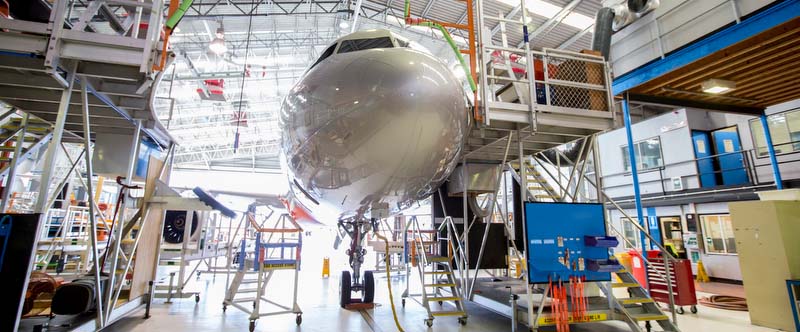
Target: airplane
(374,125)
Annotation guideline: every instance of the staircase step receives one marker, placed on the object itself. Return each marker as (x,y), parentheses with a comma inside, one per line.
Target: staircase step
(648,316)
(247,290)
(440,285)
(27,138)
(547,196)
(432,258)
(625,285)
(438,272)
(539,188)
(31,120)
(636,300)
(447,313)
(30,129)
(442,299)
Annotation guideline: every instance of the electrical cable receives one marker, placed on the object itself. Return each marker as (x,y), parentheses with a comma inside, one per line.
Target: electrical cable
(244,74)
(389,281)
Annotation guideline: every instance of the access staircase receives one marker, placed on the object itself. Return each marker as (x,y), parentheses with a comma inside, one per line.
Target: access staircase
(440,284)
(569,176)
(274,249)
(639,307)
(20,135)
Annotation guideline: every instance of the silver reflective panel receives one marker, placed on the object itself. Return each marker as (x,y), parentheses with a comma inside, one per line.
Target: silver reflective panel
(369,128)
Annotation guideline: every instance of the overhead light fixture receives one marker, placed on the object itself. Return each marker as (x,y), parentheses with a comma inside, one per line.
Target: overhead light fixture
(344,24)
(717,86)
(217,45)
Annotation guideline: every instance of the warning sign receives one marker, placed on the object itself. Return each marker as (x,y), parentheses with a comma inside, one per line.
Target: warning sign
(549,320)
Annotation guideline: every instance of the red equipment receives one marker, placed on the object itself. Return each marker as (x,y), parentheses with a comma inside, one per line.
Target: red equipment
(680,276)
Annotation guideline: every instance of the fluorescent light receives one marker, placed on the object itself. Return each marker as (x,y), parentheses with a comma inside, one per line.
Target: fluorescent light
(549,10)
(717,86)
(344,24)
(217,46)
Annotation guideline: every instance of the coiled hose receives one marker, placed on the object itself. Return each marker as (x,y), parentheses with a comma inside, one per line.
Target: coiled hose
(725,302)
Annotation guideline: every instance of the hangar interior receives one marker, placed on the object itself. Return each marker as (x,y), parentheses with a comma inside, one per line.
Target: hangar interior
(391,165)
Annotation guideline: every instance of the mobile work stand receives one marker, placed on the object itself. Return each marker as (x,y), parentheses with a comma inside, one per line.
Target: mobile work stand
(272,249)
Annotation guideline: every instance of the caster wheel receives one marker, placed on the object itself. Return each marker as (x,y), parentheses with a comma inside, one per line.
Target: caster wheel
(403,302)
(680,311)
(441,303)
(648,326)
(299,320)
(224,308)
(197,298)
(693,309)
(462,320)
(429,322)
(252,326)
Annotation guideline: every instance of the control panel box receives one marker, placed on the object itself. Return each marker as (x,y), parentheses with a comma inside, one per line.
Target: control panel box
(568,240)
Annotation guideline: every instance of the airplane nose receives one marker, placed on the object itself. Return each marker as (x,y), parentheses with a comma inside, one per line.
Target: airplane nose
(372,124)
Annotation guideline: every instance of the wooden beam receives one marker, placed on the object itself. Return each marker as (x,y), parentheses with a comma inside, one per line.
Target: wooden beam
(694,103)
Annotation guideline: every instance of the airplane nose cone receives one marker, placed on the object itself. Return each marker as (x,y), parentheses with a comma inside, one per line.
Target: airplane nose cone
(383,125)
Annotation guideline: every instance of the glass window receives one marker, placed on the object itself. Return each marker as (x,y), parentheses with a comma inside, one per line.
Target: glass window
(328,52)
(364,44)
(648,155)
(631,232)
(784,129)
(718,234)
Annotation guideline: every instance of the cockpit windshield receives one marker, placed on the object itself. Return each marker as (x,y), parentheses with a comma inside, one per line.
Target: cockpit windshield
(353,45)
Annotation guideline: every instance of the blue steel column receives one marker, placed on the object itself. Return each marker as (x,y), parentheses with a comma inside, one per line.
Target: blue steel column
(636,194)
(776,170)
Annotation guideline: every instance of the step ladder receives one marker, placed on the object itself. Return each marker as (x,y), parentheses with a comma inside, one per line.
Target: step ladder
(639,306)
(274,249)
(439,282)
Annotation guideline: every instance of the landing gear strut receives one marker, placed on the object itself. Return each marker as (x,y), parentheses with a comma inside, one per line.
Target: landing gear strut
(355,282)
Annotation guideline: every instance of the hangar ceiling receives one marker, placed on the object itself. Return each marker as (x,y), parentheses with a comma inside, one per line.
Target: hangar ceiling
(284,37)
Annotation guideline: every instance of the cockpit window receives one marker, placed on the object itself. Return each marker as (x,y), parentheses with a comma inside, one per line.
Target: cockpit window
(328,52)
(365,44)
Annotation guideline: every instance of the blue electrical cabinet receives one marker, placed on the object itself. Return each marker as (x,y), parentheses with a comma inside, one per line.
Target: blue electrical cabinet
(705,164)
(730,159)
(567,240)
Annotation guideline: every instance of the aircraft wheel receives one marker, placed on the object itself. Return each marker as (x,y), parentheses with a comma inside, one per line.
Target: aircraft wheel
(345,289)
(369,288)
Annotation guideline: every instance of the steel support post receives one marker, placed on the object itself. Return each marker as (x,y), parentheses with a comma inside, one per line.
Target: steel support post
(776,169)
(632,155)
(117,238)
(58,133)
(87,143)
(523,184)
(465,234)
(12,169)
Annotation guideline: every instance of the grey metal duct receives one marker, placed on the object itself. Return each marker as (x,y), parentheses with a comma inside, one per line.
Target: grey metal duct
(615,15)
(601,40)
(571,153)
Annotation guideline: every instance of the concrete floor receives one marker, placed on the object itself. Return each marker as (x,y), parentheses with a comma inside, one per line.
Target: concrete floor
(321,312)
